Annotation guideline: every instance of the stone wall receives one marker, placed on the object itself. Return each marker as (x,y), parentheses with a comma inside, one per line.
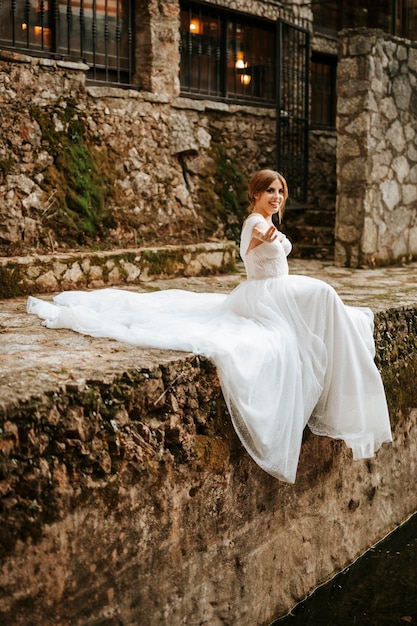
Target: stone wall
(104,166)
(128,499)
(377,149)
(89,166)
(157,169)
(27,275)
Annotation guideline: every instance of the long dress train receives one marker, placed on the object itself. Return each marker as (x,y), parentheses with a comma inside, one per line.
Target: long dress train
(287,350)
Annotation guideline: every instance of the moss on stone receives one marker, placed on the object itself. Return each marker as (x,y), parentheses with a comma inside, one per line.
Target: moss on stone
(400,387)
(80,176)
(166,262)
(222,194)
(12,283)
(6,167)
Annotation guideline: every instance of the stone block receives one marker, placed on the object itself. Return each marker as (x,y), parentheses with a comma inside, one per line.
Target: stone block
(390,193)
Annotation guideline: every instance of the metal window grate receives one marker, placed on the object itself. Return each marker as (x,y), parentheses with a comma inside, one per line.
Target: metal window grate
(226,56)
(323,91)
(398,17)
(293,107)
(98,32)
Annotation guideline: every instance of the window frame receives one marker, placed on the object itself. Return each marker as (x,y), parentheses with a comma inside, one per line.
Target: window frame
(99,34)
(400,20)
(224,79)
(323,121)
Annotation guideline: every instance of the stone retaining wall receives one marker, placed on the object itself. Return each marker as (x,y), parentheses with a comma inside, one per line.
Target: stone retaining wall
(95,270)
(108,167)
(127,497)
(116,168)
(376,150)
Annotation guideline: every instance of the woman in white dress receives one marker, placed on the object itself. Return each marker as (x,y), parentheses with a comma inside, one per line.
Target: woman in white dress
(288,352)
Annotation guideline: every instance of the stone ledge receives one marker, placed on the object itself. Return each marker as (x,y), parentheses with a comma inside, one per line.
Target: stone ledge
(15,56)
(140,469)
(73,270)
(126,457)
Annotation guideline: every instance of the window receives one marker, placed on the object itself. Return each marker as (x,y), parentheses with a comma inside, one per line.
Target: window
(407,19)
(326,16)
(323,91)
(95,31)
(225,55)
(398,17)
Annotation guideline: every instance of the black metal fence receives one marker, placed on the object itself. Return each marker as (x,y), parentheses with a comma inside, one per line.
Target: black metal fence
(98,32)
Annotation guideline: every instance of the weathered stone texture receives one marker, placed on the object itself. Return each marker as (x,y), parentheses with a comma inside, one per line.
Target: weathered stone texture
(164,166)
(376,152)
(139,142)
(128,497)
(94,270)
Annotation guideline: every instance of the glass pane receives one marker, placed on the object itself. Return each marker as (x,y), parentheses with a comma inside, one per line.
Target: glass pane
(26,24)
(201,52)
(250,61)
(323,93)
(331,16)
(408,19)
(326,16)
(96,30)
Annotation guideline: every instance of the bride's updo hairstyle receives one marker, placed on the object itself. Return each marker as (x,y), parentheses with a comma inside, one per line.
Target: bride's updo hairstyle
(260,182)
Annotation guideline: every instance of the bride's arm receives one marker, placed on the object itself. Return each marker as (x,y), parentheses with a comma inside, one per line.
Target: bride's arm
(267,235)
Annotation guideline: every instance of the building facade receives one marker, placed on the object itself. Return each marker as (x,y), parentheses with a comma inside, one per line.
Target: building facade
(171,106)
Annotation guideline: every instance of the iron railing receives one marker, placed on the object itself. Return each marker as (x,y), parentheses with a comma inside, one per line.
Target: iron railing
(98,32)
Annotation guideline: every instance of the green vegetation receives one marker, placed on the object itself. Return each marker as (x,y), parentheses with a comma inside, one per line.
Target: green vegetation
(222,194)
(80,177)
(167,262)
(12,283)
(400,383)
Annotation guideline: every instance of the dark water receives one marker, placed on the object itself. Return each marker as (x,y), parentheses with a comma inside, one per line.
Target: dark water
(379,589)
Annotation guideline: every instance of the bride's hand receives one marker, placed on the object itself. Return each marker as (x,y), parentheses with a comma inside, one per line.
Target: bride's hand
(268,236)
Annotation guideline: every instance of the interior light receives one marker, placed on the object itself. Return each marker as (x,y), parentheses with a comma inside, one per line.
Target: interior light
(195,26)
(241,64)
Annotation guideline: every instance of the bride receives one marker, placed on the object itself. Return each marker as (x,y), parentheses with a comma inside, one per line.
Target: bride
(288,352)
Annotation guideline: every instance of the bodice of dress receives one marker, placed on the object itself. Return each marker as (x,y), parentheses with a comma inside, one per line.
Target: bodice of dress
(267,260)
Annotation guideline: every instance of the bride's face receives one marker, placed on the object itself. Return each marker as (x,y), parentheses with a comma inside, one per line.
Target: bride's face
(268,202)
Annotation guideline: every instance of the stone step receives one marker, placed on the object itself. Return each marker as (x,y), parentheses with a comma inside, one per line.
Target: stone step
(86,269)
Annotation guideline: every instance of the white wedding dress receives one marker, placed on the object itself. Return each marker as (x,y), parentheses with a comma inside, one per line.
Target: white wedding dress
(287,350)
